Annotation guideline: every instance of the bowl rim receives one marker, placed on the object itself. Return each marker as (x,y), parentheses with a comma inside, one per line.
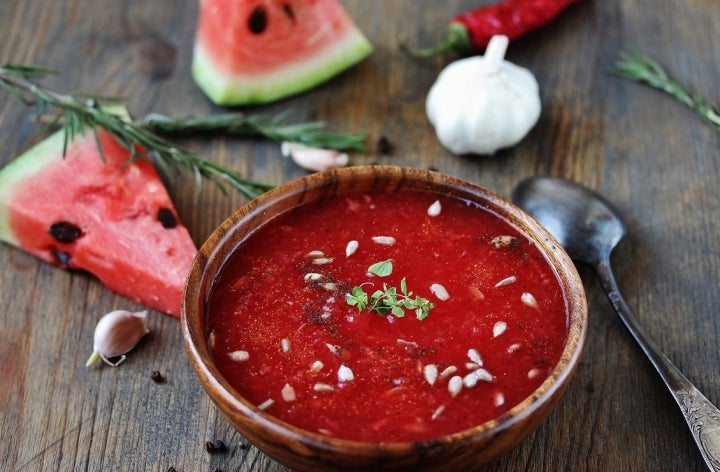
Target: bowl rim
(193,320)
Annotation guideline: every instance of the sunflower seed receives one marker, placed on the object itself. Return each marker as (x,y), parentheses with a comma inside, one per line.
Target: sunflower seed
(483,375)
(502,241)
(499,328)
(513,347)
(322,260)
(351,247)
(288,393)
(335,349)
(323,387)
(474,356)
(499,399)
(528,299)
(439,291)
(266,404)
(384,240)
(470,380)
(448,371)
(455,385)
(407,344)
(434,209)
(430,372)
(345,374)
(329,286)
(239,356)
(506,281)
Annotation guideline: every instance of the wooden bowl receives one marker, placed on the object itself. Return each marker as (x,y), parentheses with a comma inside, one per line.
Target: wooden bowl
(303,450)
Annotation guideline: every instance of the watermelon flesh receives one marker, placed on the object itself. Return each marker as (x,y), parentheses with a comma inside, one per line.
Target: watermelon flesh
(106,214)
(258,51)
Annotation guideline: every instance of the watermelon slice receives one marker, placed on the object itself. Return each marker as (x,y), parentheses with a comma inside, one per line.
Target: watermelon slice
(258,51)
(108,215)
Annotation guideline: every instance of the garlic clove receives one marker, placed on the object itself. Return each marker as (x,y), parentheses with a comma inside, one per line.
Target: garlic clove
(312,158)
(116,334)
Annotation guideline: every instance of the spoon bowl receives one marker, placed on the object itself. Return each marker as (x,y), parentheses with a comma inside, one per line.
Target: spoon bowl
(584,223)
(589,228)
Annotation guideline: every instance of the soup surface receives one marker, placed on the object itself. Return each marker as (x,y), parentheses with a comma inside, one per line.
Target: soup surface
(285,334)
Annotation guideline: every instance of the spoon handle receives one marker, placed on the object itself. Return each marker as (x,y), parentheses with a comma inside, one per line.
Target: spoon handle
(701,415)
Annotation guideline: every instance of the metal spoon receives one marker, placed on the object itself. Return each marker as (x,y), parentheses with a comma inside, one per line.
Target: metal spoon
(588,227)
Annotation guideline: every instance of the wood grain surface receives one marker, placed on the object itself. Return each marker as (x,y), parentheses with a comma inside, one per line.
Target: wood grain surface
(654,158)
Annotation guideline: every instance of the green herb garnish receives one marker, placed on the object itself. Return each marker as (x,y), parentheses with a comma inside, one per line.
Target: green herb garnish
(273,127)
(644,69)
(145,139)
(382,268)
(388,301)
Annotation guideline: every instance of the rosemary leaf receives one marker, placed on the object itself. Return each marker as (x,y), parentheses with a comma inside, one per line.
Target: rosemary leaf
(644,69)
(264,125)
(78,113)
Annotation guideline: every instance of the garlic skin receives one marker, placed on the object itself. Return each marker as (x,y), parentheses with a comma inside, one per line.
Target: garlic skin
(116,334)
(312,158)
(483,103)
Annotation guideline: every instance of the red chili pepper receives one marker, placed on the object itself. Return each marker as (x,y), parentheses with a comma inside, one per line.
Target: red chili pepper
(471,31)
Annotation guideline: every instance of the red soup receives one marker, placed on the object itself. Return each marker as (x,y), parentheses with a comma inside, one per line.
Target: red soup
(387,317)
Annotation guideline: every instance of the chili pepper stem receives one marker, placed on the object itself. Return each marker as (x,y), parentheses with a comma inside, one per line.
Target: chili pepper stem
(457,40)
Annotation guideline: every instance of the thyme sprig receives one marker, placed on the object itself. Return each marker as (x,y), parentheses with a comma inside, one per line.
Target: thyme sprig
(642,68)
(389,300)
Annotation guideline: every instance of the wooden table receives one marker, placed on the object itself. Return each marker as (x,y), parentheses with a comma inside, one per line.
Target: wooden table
(654,158)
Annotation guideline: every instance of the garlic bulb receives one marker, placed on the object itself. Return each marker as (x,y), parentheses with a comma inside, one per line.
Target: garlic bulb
(116,334)
(312,158)
(483,103)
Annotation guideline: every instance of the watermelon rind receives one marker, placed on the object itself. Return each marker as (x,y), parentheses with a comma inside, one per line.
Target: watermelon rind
(128,232)
(291,79)
(18,170)
(30,163)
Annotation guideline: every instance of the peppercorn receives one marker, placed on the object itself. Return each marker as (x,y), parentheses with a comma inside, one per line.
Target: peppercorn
(216,446)
(157,377)
(383,145)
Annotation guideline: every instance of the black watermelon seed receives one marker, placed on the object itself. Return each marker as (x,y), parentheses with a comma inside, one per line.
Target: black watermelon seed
(64,231)
(258,20)
(166,218)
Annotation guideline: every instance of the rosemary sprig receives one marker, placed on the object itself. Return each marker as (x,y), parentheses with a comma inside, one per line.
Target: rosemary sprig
(264,125)
(644,69)
(77,114)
